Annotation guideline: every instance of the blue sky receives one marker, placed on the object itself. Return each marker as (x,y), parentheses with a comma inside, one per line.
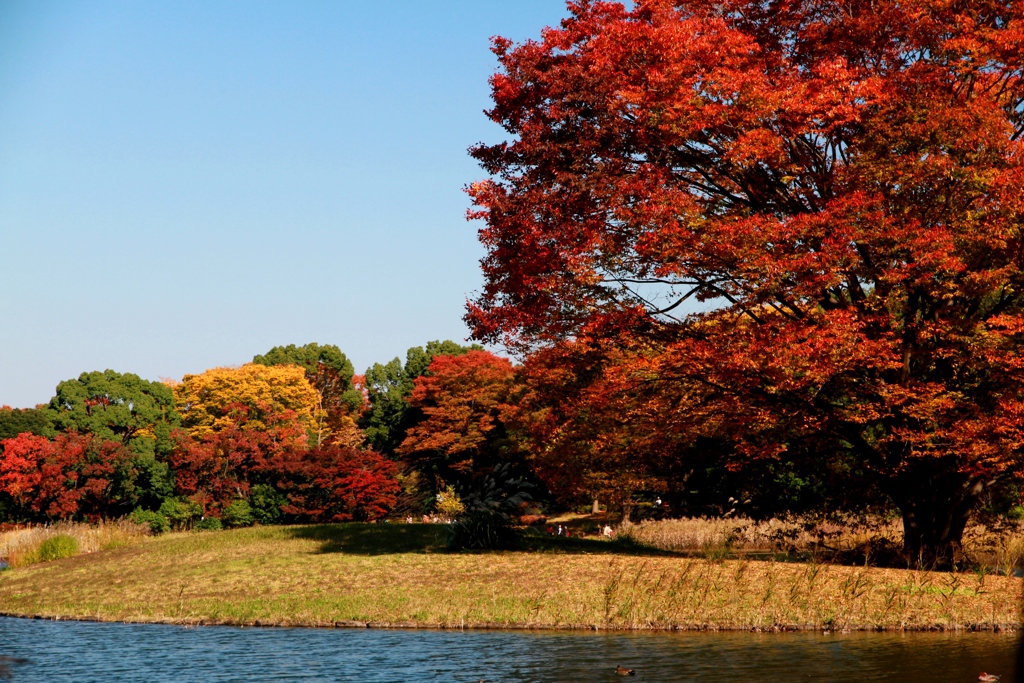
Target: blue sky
(186,184)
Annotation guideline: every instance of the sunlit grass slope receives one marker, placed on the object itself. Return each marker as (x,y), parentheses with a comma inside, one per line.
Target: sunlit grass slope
(399,575)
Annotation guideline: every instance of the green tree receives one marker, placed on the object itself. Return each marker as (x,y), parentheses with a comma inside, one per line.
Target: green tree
(126,408)
(114,406)
(14,421)
(388,387)
(330,372)
(335,385)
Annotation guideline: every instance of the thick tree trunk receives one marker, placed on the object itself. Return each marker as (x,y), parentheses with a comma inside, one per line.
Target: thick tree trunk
(595,509)
(935,506)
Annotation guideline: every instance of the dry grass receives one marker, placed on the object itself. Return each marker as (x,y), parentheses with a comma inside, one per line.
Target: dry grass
(1001,548)
(397,575)
(20,547)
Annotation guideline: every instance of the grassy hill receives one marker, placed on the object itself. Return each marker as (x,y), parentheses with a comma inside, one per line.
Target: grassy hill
(399,575)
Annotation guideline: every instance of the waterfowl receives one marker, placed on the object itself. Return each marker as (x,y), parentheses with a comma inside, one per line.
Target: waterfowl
(987,678)
(623,671)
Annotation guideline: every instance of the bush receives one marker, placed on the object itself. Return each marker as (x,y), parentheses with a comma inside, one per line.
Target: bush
(489,520)
(238,513)
(157,523)
(57,547)
(208,524)
(449,505)
(265,502)
(180,512)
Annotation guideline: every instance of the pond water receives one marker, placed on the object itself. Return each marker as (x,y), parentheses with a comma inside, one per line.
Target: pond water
(75,651)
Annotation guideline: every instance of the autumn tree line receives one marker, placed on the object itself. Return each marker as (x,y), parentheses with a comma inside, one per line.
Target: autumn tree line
(296,436)
(752,258)
(292,436)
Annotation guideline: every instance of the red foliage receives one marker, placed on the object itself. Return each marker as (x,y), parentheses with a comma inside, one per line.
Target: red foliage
(75,475)
(19,466)
(335,484)
(461,399)
(217,468)
(323,484)
(843,181)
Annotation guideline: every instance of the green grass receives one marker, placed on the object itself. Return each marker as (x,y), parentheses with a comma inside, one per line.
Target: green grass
(398,574)
(57,548)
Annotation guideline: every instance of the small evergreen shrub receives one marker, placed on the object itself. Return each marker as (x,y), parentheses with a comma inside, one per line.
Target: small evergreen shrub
(157,523)
(208,524)
(182,513)
(238,513)
(57,547)
(266,502)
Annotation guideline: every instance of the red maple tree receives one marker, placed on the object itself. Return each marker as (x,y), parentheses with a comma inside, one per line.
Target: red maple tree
(840,185)
(462,399)
(73,476)
(217,468)
(335,483)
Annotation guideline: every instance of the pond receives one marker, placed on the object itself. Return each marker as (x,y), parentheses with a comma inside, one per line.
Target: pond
(76,651)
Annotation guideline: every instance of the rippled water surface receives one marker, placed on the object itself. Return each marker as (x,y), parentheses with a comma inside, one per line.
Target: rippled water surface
(72,651)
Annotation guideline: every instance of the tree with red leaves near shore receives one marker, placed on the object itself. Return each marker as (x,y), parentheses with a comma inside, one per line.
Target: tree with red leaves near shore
(840,183)
(335,484)
(462,433)
(75,476)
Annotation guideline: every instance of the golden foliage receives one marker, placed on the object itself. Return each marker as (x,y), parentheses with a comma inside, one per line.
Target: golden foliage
(218,397)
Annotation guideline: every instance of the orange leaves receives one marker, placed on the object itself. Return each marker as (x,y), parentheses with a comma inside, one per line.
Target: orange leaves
(461,398)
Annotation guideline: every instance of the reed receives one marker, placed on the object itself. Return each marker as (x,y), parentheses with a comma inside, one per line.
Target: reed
(24,546)
(999,547)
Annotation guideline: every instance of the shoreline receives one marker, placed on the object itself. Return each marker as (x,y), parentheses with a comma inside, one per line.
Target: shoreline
(1009,628)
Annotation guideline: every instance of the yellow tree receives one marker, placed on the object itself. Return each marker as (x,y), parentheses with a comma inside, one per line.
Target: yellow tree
(219,397)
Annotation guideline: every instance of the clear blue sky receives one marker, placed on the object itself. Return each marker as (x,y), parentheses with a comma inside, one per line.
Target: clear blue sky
(186,184)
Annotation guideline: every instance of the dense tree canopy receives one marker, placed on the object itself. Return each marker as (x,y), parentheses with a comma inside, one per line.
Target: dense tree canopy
(330,373)
(15,421)
(840,183)
(389,385)
(223,397)
(461,399)
(115,406)
(73,476)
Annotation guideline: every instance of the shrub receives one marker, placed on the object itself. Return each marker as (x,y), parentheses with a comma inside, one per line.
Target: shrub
(489,520)
(266,503)
(156,522)
(449,505)
(57,547)
(208,524)
(180,512)
(238,513)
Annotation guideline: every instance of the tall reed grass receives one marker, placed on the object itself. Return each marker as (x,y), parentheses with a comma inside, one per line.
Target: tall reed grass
(20,547)
(999,546)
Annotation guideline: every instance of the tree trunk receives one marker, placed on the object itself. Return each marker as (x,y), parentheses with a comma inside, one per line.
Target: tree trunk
(595,509)
(935,506)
